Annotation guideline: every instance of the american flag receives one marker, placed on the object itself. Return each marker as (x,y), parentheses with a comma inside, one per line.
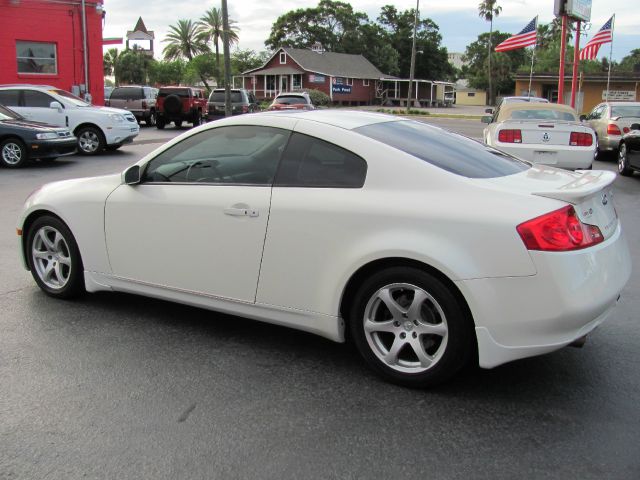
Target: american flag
(523,39)
(604,35)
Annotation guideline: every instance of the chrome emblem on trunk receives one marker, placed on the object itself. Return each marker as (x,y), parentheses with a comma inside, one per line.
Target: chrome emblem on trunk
(605,200)
(545,137)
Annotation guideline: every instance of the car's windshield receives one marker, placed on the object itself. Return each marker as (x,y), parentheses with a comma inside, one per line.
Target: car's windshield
(290,100)
(625,111)
(7,114)
(449,151)
(217,96)
(78,102)
(542,114)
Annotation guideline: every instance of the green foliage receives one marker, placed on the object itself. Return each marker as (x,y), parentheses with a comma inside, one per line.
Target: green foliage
(243,60)
(132,67)
(488,9)
(201,66)
(183,41)
(631,63)
(210,29)
(167,72)
(109,62)
(318,98)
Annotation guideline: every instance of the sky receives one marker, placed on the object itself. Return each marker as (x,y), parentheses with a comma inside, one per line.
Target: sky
(458,19)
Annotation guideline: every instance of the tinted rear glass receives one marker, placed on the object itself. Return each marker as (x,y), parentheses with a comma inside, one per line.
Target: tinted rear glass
(132,93)
(290,100)
(236,97)
(449,151)
(542,114)
(625,111)
(181,92)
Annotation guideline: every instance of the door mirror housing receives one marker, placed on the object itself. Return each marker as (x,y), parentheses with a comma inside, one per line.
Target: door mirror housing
(56,106)
(132,175)
(486,119)
(583,118)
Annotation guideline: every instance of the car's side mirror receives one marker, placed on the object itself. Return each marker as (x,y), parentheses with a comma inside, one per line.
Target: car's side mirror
(583,118)
(486,119)
(488,110)
(56,106)
(132,175)
(635,126)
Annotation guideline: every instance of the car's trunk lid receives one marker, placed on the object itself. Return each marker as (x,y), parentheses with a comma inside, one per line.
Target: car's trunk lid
(545,133)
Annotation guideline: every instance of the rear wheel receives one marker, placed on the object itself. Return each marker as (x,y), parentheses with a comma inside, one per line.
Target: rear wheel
(596,153)
(160,123)
(54,258)
(13,153)
(623,161)
(151,119)
(197,119)
(178,123)
(409,327)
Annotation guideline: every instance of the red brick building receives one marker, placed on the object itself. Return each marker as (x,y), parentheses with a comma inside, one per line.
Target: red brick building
(41,43)
(344,77)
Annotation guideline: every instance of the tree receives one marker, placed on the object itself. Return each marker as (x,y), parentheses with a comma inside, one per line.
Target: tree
(166,72)
(210,30)
(488,9)
(184,41)
(132,67)
(243,60)
(109,62)
(201,66)
(631,63)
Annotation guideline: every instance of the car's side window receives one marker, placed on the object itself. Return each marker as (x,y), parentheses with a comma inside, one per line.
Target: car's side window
(240,155)
(10,98)
(37,99)
(311,162)
(597,113)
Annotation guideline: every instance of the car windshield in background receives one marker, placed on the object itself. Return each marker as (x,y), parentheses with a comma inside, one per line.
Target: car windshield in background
(236,97)
(7,114)
(71,98)
(625,111)
(542,114)
(449,151)
(291,100)
(181,92)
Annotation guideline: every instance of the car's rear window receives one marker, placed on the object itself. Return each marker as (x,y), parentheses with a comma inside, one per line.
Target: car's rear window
(290,100)
(449,151)
(181,92)
(542,114)
(236,97)
(625,111)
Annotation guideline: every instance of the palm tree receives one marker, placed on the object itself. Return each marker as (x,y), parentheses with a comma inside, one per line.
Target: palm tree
(488,9)
(183,41)
(110,63)
(210,29)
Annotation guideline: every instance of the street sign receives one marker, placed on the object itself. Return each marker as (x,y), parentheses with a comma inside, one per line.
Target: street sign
(619,95)
(341,88)
(579,9)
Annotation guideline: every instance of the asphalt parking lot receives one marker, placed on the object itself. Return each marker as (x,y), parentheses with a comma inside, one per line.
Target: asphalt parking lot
(119,386)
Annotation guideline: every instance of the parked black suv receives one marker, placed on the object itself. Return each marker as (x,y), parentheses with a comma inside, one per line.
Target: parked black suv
(141,101)
(242,101)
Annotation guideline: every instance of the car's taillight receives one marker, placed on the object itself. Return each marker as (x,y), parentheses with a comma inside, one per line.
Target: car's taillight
(144,104)
(559,231)
(510,136)
(245,108)
(580,139)
(625,129)
(612,129)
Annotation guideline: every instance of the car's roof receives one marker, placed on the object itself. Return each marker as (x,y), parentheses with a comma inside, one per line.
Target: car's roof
(293,94)
(505,112)
(524,99)
(347,119)
(26,85)
(621,103)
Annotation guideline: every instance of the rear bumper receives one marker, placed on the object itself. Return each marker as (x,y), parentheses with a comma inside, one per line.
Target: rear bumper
(571,294)
(609,142)
(561,156)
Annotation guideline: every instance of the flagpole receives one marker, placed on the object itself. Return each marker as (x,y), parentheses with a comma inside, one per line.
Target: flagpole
(613,22)
(533,56)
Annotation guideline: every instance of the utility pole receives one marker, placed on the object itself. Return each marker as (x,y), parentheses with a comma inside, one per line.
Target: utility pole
(85,53)
(413,57)
(227,60)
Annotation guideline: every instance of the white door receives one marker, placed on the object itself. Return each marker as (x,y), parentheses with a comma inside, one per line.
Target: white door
(197,221)
(36,106)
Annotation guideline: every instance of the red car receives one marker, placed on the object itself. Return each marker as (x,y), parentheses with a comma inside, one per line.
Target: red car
(178,104)
(292,101)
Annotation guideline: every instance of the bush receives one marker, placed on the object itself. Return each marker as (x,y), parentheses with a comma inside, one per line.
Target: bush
(318,98)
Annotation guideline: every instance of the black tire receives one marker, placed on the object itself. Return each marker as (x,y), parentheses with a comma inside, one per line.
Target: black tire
(436,325)
(623,161)
(90,140)
(160,123)
(178,123)
(197,119)
(112,148)
(151,119)
(13,153)
(69,277)
(173,105)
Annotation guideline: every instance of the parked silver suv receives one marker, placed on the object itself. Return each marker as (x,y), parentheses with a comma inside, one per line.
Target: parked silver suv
(611,120)
(141,101)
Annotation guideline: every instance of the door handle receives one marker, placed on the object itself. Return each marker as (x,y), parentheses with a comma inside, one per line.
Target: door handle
(241,212)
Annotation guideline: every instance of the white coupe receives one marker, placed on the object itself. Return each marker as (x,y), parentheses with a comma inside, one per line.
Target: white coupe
(431,249)
(542,133)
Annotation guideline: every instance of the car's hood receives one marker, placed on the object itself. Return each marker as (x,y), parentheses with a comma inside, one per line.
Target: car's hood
(29,124)
(107,110)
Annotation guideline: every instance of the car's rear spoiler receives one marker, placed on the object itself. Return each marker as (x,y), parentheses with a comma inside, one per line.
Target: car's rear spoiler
(582,187)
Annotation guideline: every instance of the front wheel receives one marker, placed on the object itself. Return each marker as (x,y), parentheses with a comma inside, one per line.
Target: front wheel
(160,123)
(410,328)
(54,258)
(623,161)
(178,123)
(90,141)
(13,153)
(151,119)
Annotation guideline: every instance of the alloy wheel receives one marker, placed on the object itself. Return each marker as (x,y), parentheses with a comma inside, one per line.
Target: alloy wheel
(12,153)
(88,141)
(51,257)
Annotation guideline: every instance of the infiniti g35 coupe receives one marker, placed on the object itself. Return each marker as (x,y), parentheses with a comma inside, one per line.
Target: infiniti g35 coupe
(430,249)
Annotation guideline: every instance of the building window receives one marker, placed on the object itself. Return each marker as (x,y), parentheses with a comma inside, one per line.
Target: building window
(37,57)
(296,83)
(338,80)
(283,57)
(471,94)
(349,81)
(365,82)
(271,82)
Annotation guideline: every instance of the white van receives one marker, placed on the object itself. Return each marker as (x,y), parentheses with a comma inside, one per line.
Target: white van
(97,128)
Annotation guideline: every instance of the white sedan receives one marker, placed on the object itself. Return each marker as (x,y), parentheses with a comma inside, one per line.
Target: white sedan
(431,249)
(542,133)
